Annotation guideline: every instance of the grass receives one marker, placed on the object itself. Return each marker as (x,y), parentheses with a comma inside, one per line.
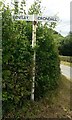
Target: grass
(0,57)
(65,58)
(54,105)
(66,63)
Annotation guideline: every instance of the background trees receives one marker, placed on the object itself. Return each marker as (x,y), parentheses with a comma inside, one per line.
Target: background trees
(65,47)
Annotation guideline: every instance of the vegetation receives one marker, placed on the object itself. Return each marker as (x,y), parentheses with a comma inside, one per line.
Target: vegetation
(54,105)
(51,89)
(65,47)
(66,58)
(66,63)
(57,38)
(17,64)
(47,61)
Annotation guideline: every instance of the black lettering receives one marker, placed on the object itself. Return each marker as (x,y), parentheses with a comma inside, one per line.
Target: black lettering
(27,17)
(51,18)
(44,18)
(39,18)
(21,17)
(47,18)
(55,19)
(24,17)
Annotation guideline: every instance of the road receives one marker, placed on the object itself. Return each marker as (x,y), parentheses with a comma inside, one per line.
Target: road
(66,71)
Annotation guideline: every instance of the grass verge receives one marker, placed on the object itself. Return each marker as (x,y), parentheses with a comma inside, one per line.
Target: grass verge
(66,63)
(54,105)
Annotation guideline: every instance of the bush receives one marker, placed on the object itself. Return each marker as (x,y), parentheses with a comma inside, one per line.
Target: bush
(16,60)
(47,62)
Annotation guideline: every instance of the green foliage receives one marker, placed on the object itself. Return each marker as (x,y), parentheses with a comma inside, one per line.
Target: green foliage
(66,46)
(47,62)
(0,3)
(16,62)
(22,7)
(57,38)
(66,58)
(35,7)
(16,6)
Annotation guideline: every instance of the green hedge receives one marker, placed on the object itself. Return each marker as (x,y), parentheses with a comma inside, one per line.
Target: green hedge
(47,62)
(66,58)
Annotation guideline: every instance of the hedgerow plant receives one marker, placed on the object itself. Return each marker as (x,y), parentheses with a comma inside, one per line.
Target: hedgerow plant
(16,60)
(47,62)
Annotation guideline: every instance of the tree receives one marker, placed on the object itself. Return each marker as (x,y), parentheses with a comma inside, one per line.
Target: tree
(35,7)
(65,46)
(16,7)
(22,7)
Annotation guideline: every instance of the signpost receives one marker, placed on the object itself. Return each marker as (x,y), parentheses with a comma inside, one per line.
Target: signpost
(35,19)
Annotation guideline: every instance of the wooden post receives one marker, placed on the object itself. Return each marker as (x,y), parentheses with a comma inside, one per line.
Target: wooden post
(34,58)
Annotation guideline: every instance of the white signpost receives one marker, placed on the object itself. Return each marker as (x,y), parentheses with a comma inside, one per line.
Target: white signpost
(35,19)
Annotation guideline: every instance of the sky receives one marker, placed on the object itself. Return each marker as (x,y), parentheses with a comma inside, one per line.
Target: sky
(61,8)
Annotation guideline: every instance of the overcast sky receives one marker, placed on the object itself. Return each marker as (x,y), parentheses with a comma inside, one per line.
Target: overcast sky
(59,7)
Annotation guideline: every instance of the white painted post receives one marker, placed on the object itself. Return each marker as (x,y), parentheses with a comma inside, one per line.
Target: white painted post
(34,58)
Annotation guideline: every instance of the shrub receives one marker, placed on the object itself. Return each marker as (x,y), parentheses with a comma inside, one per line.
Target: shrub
(16,60)
(47,62)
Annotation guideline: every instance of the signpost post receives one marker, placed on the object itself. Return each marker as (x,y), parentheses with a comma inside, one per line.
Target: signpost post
(34,58)
(34,19)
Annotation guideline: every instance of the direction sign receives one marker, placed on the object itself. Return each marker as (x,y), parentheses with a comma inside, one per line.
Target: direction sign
(45,18)
(23,17)
(35,18)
